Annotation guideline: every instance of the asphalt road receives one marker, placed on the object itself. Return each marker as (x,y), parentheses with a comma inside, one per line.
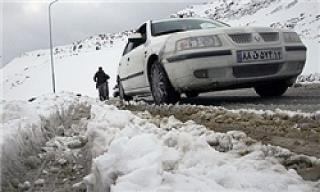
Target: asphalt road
(305,99)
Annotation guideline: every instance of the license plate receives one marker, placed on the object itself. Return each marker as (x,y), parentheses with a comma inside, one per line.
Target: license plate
(244,56)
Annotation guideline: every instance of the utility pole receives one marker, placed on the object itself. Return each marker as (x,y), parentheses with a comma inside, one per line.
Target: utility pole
(51,48)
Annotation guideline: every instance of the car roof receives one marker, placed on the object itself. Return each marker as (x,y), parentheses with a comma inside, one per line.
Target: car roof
(179,19)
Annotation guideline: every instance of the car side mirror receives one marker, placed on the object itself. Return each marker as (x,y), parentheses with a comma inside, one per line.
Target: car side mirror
(136,38)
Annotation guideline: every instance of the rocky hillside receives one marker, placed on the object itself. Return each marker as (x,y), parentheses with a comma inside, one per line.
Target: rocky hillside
(302,16)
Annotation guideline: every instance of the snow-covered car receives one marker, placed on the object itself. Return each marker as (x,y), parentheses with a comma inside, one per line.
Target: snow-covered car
(169,57)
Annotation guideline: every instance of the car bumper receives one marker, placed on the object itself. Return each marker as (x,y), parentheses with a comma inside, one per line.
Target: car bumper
(215,69)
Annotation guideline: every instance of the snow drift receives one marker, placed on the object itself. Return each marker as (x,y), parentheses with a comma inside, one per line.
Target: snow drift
(311,78)
(25,127)
(132,153)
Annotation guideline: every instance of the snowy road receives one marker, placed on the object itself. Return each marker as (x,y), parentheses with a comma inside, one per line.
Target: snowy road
(304,99)
(279,130)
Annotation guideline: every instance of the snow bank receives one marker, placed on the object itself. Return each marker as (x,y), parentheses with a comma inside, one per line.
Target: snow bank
(20,134)
(25,127)
(144,153)
(310,78)
(135,155)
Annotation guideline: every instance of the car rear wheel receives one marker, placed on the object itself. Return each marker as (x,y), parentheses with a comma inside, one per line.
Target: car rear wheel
(275,89)
(122,94)
(161,88)
(192,94)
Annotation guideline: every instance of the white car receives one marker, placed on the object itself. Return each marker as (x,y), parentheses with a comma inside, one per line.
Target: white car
(169,57)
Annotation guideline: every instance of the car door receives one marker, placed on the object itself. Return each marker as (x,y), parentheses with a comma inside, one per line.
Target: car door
(124,69)
(131,65)
(136,60)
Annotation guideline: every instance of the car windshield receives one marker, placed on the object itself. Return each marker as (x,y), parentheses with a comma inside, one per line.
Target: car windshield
(172,26)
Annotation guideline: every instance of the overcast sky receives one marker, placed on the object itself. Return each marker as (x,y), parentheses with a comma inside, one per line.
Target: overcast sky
(25,22)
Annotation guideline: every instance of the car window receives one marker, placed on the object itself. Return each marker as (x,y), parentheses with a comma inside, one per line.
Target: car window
(127,48)
(130,46)
(143,31)
(171,26)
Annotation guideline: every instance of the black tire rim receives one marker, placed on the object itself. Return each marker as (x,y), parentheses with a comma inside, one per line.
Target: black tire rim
(158,84)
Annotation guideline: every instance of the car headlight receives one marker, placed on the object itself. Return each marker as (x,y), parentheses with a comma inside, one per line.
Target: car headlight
(198,42)
(291,37)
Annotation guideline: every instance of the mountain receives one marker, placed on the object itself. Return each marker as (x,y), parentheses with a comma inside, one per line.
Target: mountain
(30,74)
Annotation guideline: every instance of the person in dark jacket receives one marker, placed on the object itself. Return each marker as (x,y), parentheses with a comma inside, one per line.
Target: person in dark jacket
(101,79)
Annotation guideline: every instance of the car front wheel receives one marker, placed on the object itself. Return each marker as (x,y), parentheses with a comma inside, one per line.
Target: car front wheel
(275,89)
(162,90)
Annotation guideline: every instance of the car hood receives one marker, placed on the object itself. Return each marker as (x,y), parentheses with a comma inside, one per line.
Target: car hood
(224,30)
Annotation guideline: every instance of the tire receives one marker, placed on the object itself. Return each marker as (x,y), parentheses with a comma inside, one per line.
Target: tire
(275,89)
(161,88)
(192,94)
(122,94)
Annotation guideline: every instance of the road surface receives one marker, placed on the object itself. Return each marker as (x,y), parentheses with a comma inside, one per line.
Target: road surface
(302,98)
(298,134)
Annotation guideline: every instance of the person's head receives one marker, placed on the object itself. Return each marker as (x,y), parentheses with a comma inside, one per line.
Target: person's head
(100,69)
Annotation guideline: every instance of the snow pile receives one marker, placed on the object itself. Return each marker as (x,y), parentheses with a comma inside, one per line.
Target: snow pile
(144,153)
(19,127)
(311,78)
(25,127)
(133,154)
(302,16)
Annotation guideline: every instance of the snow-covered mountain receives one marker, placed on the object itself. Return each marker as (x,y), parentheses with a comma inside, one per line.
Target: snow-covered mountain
(30,74)
(302,16)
